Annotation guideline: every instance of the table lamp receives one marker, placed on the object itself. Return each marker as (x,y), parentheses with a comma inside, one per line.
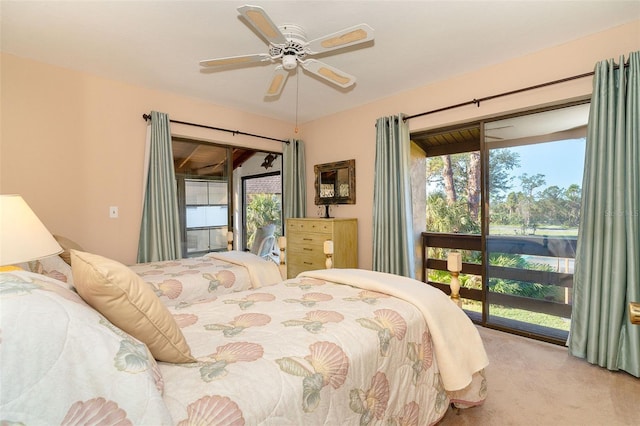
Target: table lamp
(328,252)
(23,237)
(454,265)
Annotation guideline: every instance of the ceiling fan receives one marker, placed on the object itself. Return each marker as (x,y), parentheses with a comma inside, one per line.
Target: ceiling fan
(288,45)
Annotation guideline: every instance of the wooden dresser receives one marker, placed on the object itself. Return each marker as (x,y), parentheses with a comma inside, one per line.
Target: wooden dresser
(305,243)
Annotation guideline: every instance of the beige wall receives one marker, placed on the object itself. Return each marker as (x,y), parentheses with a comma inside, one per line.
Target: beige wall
(351,134)
(72,144)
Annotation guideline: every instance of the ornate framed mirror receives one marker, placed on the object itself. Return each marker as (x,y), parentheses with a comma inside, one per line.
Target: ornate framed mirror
(335,183)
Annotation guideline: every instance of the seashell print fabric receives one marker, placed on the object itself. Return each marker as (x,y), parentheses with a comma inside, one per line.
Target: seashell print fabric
(64,363)
(185,281)
(307,351)
(304,351)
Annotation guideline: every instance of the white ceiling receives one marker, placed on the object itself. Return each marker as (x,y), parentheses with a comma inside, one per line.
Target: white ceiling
(158,44)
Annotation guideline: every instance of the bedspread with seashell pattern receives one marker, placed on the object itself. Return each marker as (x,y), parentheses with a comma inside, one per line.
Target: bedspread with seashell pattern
(308,352)
(179,282)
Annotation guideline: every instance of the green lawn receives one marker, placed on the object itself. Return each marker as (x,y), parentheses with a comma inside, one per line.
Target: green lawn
(521,315)
(554,231)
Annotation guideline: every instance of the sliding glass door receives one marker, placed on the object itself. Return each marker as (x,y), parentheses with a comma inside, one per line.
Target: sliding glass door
(506,195)
(204,202)
(536,164)
(262,204)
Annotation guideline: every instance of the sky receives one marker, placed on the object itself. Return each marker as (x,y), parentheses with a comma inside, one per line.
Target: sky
(561,162)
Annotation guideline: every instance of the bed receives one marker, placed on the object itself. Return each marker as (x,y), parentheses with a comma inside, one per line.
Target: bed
(328,347)
(216,273)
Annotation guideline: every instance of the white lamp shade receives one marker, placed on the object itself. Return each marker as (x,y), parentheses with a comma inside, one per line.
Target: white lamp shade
(454,262)
(328,247)
(23,237)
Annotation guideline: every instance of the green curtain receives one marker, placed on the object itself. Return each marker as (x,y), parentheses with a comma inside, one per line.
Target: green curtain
(607,271)
(160,227)
(294,203)
(393,245)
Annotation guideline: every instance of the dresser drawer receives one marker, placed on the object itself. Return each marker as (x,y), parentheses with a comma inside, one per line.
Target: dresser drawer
(305,243)
(313,226)
(307,261)
(308,241)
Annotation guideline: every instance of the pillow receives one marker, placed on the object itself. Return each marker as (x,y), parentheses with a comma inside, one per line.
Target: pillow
(66,245)
(128,302)
(53,267)
(56,348)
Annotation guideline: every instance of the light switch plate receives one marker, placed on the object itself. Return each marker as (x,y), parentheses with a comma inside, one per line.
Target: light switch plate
(113,212)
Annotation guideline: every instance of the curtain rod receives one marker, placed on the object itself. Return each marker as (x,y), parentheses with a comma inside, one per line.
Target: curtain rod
(147,117)
(499,95)
(513,92)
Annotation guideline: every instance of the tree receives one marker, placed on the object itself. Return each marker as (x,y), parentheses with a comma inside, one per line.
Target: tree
(501,162)
(473,185)
(447,178)
(552,203)
(263,209)
(519,288)
(530,211)
(573,196)
(530,183)
(442,217)
(457,178)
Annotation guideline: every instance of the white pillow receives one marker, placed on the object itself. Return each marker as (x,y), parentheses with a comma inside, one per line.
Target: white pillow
(53,267)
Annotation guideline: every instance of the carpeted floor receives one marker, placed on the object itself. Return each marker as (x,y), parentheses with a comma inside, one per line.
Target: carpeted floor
(537,383)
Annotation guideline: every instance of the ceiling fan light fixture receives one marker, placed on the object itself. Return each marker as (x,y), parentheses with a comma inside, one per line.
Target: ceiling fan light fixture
(289,62)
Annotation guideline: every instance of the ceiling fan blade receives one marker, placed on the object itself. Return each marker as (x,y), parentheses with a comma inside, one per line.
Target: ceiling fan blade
(277,82)
(329,73)
(261,22)
(235,60)
(347,37)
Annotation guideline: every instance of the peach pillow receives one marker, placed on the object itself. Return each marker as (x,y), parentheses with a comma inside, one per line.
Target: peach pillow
(127,301)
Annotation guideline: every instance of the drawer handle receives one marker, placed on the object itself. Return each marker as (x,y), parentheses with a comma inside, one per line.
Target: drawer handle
(307,263)
(307,249)
(307,239)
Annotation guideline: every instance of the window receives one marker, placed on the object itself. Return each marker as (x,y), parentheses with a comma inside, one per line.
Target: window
(207,213)
(204,201)
(210,198)
(506,194)
(262,202)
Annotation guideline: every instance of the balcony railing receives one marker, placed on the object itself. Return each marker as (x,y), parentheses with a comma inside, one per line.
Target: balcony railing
(455,242)
(561,248)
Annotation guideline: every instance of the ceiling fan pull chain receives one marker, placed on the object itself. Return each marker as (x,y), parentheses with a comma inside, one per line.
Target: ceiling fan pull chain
(297,97)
